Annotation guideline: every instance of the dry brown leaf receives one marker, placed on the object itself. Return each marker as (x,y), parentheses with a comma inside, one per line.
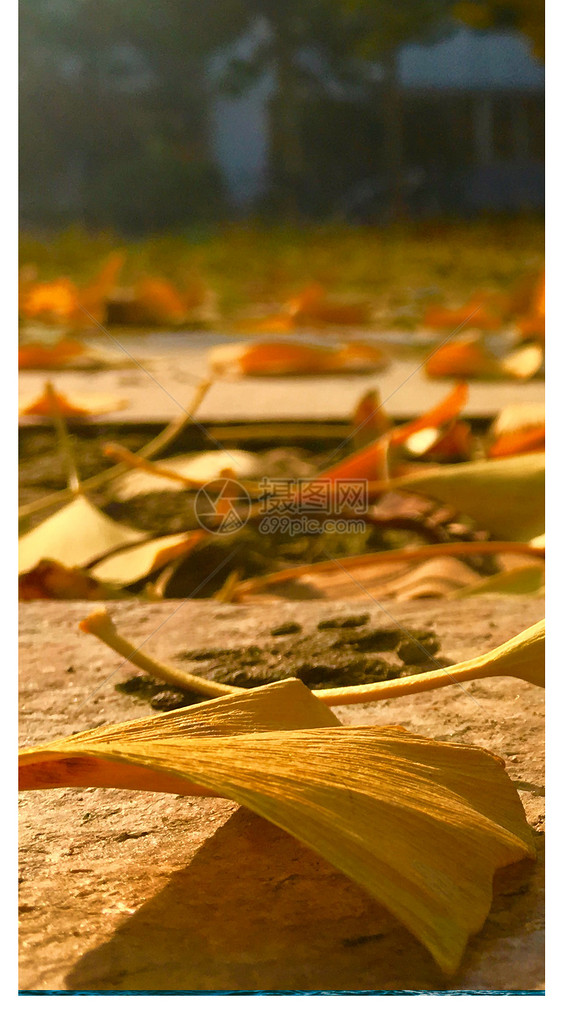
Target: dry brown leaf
(481,311)
(285,359)
(401,572)
(71,405)
(51,580)
(372,461)
(518,429)
(43,356)
(469,358)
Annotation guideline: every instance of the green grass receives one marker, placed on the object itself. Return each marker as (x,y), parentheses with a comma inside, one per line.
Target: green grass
(399,268)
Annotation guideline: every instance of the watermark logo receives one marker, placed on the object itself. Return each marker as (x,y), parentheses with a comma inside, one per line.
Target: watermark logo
(292,507)
(222,507)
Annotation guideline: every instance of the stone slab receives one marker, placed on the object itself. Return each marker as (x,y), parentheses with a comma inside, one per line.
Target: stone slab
(174,364)
(125,891)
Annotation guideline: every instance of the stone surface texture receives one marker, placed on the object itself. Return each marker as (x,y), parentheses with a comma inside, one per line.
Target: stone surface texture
(147,891)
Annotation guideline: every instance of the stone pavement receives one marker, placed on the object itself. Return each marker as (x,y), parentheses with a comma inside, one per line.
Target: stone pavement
(174,363)
(123,891)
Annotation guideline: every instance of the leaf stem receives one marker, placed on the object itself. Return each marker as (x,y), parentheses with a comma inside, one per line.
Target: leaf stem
(255,584)
(61,430)
(101,626)
(150,450)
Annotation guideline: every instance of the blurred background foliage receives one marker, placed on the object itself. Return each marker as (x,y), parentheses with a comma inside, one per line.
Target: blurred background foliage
(118,103)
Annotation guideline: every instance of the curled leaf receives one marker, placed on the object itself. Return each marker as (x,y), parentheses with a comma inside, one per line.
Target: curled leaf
(399,573)
(518,429)
(393,811)
(371,461)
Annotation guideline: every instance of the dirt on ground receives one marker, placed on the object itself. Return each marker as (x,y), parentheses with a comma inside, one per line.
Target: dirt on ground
(123,891)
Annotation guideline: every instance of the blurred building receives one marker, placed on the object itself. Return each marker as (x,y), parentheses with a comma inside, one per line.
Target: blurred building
(472,135)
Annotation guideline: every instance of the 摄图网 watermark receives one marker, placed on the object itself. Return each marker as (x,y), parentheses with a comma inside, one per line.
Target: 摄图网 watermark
(292,507)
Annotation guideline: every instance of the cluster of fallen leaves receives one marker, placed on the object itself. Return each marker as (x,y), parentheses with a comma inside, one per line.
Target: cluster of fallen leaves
(421,825)
(434,463)
(505,339)
(151,301)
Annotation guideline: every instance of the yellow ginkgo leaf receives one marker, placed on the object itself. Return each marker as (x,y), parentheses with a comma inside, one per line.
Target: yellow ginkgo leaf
(129,565)
(505,495)
(75,536)
(519,581)
(421,825)
(48,402)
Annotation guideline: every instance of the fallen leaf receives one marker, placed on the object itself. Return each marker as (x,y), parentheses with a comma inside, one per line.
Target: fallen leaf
(518,581)
(373,579)
(61,301)
(430,802)
(311,306)
(280,359)
(371,462)
(451,444)
(54,302)
(479,312)
(402,573)
(127,566)
(504,496)
(518,429)
(158,302)
(74,536)
(369,421)
(43,356)
(92,299)
(51,580)
(470,358)
(197,469)
(524,363)
(71,405)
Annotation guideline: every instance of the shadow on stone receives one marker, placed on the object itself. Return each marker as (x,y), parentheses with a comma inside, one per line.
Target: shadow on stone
(257,910)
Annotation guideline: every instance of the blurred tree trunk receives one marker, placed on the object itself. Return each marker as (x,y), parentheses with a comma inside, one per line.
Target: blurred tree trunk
(286,154)
(393,136)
